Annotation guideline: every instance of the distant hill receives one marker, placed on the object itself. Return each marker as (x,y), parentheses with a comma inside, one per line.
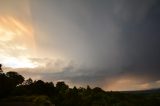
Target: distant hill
(154,90)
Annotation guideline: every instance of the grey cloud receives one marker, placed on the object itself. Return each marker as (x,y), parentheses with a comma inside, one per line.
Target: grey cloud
(104,40)
(133,10)
(111,38)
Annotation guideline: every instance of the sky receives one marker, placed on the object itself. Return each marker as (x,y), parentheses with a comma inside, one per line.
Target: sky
(112,44)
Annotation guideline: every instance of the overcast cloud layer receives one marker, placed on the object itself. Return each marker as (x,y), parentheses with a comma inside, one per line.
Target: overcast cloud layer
(113,44)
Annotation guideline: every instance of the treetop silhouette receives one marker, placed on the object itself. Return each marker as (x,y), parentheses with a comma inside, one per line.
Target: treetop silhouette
(1,68)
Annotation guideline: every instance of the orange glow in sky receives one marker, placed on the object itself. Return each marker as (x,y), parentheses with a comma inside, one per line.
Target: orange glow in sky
(16,41)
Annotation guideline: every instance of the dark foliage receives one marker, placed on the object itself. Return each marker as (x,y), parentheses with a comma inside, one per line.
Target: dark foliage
(9,82)
(40,93)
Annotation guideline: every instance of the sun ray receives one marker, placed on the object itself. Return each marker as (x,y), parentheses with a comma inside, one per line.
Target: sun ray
(17,40)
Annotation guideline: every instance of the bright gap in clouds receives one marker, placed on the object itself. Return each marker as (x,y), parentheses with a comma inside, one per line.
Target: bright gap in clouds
(17,42)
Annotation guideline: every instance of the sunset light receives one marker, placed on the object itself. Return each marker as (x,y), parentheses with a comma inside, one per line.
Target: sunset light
(16,41)
(106,43)
(79,52)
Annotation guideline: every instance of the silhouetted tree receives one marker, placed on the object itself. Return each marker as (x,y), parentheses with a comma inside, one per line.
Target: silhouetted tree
(4,85)
(1,68)
(38,87)
(28,81)
(61,86)
(15,78)
(9,81)
(46,94)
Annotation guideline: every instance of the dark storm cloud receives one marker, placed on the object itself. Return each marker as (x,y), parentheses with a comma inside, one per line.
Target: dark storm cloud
(110,38)
(141,42)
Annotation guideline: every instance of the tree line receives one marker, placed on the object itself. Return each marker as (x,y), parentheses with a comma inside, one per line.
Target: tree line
(14,85)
